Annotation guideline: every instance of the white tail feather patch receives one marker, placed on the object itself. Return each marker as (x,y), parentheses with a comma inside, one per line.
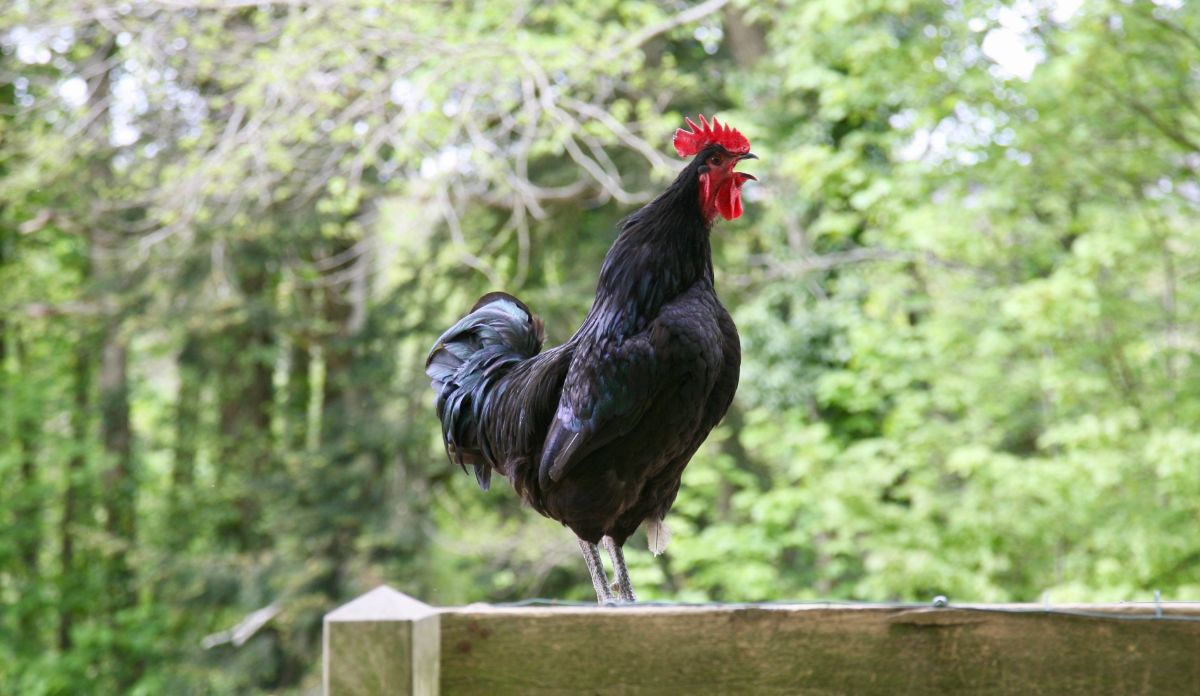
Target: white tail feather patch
(658,535)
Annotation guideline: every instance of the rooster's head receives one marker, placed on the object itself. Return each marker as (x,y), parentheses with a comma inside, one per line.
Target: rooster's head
(718,148)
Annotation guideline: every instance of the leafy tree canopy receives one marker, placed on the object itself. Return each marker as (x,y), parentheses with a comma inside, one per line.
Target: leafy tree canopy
(230,230)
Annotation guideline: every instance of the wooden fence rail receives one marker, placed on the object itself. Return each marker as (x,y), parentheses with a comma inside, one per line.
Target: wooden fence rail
(388,643)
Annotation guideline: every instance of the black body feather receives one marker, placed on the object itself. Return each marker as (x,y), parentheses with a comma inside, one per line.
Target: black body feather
(595,433)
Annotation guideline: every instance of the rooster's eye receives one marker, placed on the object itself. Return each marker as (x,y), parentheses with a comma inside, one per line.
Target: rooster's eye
(715,159)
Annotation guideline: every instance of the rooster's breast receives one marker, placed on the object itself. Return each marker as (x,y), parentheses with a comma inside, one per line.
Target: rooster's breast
(636,476)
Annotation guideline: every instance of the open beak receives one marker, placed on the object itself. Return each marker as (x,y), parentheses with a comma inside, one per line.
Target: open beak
(744,175)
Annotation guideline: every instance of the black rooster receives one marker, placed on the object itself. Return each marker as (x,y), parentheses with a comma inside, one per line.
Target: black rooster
(596,432)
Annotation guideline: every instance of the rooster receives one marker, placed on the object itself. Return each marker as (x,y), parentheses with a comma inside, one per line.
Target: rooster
(595,433)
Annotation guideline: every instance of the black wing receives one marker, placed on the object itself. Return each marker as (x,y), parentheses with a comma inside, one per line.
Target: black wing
(607,390)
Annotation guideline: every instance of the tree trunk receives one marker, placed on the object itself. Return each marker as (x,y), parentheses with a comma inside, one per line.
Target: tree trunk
(21,429)
(119,481)
(19,433)
(299,395)
(747,42)
(68,572)
(30,506)
(246,396)
(187,435)
(345,313)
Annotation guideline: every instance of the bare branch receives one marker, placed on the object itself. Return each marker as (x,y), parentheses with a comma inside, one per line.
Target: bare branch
(692,14)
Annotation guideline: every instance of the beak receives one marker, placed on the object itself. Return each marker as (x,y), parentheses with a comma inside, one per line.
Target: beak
(744,175)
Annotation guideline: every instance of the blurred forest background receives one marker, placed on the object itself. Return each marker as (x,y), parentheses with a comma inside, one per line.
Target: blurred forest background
(231,229)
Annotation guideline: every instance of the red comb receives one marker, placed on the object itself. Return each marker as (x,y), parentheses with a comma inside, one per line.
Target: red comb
(688,143)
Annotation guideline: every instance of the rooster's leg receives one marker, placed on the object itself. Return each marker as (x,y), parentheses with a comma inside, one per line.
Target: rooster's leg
(624,586)
(591,554)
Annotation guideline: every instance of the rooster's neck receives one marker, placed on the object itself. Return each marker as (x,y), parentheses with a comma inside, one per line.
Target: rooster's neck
(662,251)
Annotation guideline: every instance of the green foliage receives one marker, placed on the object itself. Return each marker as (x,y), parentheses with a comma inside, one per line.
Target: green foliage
(965,288)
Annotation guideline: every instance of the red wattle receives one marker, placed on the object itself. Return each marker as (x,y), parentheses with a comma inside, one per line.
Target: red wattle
(729,200)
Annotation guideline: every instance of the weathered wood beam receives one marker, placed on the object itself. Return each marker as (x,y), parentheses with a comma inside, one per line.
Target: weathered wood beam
(764,649)
(817,650)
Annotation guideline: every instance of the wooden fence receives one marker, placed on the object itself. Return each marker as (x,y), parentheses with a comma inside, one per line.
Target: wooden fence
(388,643)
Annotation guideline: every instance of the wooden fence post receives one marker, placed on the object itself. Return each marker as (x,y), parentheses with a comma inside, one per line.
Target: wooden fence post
(384,642)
